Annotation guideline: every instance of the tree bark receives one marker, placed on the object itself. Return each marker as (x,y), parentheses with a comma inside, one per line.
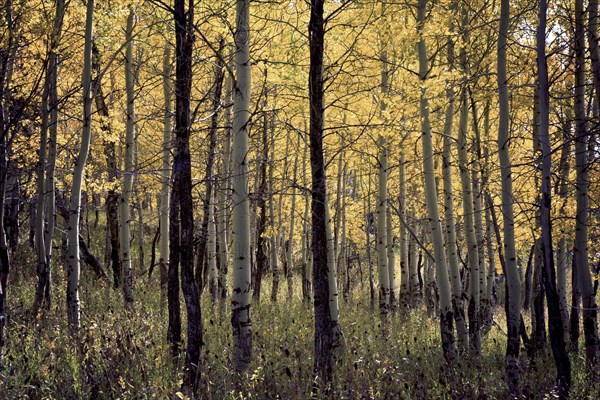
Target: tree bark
(240,299)
(181,199)
(513,285)
(73,268)
(443,283)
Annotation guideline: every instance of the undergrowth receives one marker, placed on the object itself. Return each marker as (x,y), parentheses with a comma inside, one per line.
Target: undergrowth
(120,354)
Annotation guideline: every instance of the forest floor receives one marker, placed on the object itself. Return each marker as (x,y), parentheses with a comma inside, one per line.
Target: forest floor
(120,354)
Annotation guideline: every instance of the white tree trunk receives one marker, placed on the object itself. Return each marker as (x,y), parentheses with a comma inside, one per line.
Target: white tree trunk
(73,268)
(240,299)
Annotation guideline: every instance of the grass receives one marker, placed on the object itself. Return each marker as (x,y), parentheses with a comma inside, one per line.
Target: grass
(124,355)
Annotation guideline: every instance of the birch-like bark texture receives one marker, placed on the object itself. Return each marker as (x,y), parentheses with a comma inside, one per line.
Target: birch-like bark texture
(555,325)
(446,314)
(382,257)
(73,267)
(124,209)
(224,196)
(404,267)
(513,284)
(467,198)
(458,308)
(290,244)
(47,160)
(274,238)
(240,298)
(582,186)
(163,209)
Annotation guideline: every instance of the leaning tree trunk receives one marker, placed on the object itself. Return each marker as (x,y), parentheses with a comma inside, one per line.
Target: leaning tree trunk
(513,285)
(555,325)
(240,299)
(73,268)
(124,214)
(446,314)
(582,185)
(181,200)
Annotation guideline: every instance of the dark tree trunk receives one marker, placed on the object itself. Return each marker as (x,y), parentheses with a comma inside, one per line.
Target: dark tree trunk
(323,324)
(182,187)
(261,256)
(555,326)
(112,197)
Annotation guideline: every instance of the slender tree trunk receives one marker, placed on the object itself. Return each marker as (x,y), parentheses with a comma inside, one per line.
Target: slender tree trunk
(163,210)
(582,185)
(275,234)
(404,267)
(290,245)
(306,246)
(210,167)
(261,223)
(443,283)
(382,258)
(45,175)
(110,154)
(450,222)
(224,213)
(181,197)
(513,285)
(125,219)
(555,325)
(240,299)
(73,268)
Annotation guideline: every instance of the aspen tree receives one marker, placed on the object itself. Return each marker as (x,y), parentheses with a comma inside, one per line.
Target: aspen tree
(326,329)
(561,252)
(124,209)
(274,238)
(47,161)
(382,256)
(404,266)
(163,209)
(261,256)
(582,186)
(513,300)
(182,217)
(224,195)
(555,327)
(450,228)
(73,267)
(467,201)
(306,246)
(240,299)
(446,314)
(290,244)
